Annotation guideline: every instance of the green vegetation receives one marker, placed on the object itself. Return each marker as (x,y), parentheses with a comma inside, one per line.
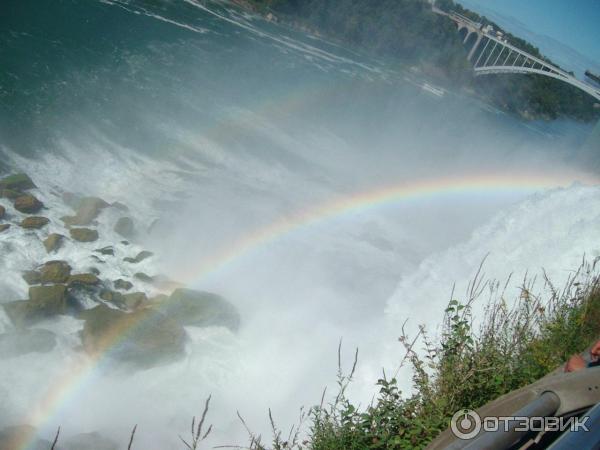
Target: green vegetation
(407,31)
(469,366)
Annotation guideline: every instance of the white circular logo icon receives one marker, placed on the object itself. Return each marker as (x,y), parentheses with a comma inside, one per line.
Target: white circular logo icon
(465,424)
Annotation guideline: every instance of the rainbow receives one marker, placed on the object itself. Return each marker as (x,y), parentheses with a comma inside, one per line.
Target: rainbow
(83,371)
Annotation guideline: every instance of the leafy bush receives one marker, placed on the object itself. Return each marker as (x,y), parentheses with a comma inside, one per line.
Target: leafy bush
(469,366)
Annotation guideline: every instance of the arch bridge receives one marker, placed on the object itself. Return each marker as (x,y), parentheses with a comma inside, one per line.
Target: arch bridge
(490,53)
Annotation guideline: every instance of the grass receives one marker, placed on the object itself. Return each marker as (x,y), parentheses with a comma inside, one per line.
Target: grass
(469,364)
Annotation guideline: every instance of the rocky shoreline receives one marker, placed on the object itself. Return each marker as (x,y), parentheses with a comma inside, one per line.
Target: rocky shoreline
(133,319)
(128,317)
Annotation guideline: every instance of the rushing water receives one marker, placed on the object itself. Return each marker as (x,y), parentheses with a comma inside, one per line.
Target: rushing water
(220,125)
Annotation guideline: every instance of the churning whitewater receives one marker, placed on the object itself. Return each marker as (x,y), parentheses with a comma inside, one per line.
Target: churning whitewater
(322,194)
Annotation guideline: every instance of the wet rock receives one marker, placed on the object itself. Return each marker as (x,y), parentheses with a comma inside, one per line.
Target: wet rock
(89,441)
(2,211)
(147,338)
(53,242)
(122,284)
(9,193)
(32,277)
(17,182)
(12,438)
(27,204)
(55,272)
(84,234)
(143,277)
(200,309)
(84,279)
(113,297)
(94,271)
(108,251)
(125,242)
(23,341)
(34,222)
(44,302)
(125,227)
(88,209)
(139,258)
(98,260)
(4,227)
(134,300)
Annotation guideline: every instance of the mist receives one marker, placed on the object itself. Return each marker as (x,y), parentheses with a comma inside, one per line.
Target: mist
(211,126)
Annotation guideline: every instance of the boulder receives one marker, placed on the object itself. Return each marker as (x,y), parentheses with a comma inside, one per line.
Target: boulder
(12,438)
(53,242)
(125,227)
(122,284)
(84,279)
(87,210)
(143,277)
(145,337)
(55,272)
(113,297)
(34,222)
(4,227)
(32,277)
(107,251)
(134,300)
(84,234)
(27,204)
(9,193)
(200,309)
(139,258)
(89,441)
(2,211)
(23,341)
(17,182)
(44,302)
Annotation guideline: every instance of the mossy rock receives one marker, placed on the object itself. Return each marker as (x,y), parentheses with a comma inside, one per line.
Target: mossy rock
(44,302)
(125,227)
(17,182)
(53,242)
(84,234)
(107,251)
(12,438)
(27,204)
(143,277)
(122,284)
(2,211)
(115,298)
(4,227)
(200,309)
(9,194)
(34,222)
(55,272)
(87,210)
(23,341)
(146,337)
(83,279)
(139,257)
(32,277)
(134,300)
